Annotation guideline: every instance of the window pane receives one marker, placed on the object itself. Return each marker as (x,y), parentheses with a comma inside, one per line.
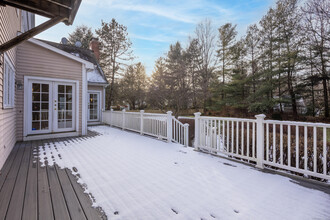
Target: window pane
(61,98)
(61,115)
(61,124)
(68,115)
(35,126)
(69,98)
(35,116)
(45,97)
(35,87)
(45,88)
(68,106)
(44,125)
(36,97)
(61,89)
(68,124)
(68,89)
(61,106)
(44,115)
(45,106)
(35,106)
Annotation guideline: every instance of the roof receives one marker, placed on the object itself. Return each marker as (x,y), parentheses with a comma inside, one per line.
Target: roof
(66,10)
(95,76)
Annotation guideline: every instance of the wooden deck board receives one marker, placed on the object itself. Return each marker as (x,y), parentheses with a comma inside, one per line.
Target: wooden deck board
(70,196)
(45,207)
(7,188)
(6,167)
(29,191)
(17,199)
(30,208)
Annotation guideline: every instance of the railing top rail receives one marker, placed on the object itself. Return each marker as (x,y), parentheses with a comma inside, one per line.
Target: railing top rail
(300,123)
(227,118)
(155,114)
(179,122)
(186,117)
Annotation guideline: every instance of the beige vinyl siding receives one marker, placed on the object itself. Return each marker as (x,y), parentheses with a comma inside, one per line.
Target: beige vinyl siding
(37,61)
(9,26)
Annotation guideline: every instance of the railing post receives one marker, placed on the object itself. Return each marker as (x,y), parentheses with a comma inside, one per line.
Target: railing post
(260,140)
(197,124)
(141,122)
(169,126)
(186,134)
(123,125)
(110,118)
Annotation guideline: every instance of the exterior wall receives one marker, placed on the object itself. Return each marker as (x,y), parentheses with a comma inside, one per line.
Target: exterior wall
(9,26)
(102,98)
(40,62)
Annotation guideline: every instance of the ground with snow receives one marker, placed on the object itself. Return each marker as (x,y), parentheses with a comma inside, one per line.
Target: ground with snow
(137,177)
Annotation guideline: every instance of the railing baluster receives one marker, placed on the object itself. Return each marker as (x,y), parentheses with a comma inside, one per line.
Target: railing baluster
(223,134)
(305,148)
(274,143)
(324,150)
(267,141)
(242,141)
(289,145)
(314,149)
(297,146)
(237,136)
(219,135)
(248,140)
(281,143)
(232,137)
(253,140)
(228,147)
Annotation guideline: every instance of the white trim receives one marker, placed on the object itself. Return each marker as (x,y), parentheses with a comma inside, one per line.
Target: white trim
(84,101)
(89,65)
(11,76)
(26,103)
(98,92)
(48,136)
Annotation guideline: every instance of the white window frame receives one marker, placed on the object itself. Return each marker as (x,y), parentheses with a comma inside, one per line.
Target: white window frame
(8,84)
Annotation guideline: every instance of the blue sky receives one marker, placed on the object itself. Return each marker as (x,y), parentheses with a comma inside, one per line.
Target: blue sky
(154,24)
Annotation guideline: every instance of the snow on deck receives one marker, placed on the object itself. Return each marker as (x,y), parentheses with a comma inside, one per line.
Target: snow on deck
(137,177)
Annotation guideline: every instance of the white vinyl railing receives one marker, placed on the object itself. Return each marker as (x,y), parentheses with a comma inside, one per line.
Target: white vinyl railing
(298,147)
(162,126)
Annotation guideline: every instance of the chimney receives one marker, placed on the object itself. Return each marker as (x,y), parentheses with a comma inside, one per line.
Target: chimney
(94,46)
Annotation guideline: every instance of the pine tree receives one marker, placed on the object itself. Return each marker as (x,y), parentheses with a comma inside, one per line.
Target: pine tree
(115,51)
(83,34)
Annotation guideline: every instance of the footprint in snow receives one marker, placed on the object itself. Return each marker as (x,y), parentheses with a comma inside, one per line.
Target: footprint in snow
(228,164)
(116,213)
(173,210)
(213,216)
(236,211)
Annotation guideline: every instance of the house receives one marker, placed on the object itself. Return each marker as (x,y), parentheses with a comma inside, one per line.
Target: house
(63,90)
(16,26)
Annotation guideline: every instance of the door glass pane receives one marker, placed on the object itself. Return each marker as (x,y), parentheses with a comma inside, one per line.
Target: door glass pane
(40,106)
(64,115)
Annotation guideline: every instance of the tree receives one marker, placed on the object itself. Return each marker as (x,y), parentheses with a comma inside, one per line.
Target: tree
(206,39)
(290,43)
(83,34)
(227,34)
(317,26)
(252,42)
(158,90)
(134,85)
(194,63)
(115,50)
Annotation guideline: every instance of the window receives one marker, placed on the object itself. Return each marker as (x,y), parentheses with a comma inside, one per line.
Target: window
(8,84)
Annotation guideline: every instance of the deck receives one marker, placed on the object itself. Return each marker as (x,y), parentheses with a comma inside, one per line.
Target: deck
(30,191)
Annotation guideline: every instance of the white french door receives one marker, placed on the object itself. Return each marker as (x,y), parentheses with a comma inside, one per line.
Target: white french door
(93,106)
(51,107)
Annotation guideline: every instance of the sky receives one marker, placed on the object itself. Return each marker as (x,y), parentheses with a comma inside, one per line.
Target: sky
(153,25)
